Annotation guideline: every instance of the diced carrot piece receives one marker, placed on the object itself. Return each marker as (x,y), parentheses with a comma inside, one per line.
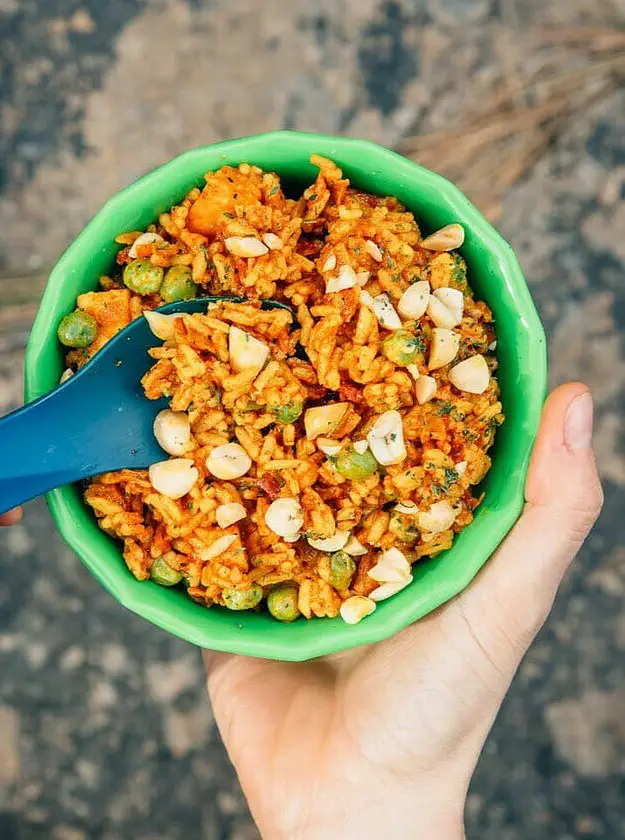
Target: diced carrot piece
(111,311)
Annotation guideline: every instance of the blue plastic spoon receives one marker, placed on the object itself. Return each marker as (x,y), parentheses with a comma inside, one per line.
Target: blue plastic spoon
(98,421)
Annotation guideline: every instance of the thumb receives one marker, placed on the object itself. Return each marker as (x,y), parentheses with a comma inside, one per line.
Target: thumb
(512,597)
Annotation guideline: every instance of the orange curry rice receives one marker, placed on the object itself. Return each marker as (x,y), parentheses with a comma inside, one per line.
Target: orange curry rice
(316,450)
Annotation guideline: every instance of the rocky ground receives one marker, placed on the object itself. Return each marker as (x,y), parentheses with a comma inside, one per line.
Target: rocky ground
(105,731)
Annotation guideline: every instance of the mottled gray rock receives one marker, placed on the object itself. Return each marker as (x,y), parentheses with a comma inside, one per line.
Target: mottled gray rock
(105,731)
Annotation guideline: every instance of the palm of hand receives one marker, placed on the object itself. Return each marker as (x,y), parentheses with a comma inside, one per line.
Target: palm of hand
(382,741)
(357,722)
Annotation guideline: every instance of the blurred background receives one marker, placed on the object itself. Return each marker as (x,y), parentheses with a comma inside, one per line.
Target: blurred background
(105,731)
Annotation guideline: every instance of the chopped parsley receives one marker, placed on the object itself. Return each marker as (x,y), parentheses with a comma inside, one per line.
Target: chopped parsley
(274,189)
(451,477)
(444,408)
(460,277)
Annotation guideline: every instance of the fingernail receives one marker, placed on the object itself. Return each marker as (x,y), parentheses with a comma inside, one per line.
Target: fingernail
(578,423)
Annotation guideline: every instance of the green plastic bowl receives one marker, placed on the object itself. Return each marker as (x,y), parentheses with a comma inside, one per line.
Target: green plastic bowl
(494,274)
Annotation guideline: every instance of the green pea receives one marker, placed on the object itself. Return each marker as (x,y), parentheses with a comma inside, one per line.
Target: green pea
(403,527)
(342,568)
(236,599)
(288,413)
(282,602)
(178,284)
(163,574)
(78,329)
(142,277)
(354,465)
(402,347)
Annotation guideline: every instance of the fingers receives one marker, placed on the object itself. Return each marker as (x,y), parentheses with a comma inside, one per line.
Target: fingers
(11,517)
(510,600)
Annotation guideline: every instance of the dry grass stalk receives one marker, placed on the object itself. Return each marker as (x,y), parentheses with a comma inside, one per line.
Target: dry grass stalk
(592,40)
(496,147)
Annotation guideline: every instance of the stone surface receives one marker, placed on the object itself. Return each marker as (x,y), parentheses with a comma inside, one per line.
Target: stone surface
(105,731)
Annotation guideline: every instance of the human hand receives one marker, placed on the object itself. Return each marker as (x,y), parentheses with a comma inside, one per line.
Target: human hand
(383,740)
(11,517)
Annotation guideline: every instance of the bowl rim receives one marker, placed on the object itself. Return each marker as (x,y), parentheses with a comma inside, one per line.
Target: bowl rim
(61,501)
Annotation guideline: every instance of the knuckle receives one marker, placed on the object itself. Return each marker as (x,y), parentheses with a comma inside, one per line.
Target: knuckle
(596,499)
(577,533)
(531,610)
(587,509)
(580,512)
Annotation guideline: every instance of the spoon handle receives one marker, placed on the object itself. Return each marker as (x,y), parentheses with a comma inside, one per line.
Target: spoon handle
(43,447)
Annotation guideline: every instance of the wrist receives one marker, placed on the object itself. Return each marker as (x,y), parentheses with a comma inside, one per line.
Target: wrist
(408,827)
(410,814)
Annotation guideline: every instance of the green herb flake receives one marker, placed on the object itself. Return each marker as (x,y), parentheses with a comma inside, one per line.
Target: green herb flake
(274,189)
(451,477)
(444,408)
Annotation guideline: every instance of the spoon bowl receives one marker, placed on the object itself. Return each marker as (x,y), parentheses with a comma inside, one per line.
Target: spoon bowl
(98,421)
